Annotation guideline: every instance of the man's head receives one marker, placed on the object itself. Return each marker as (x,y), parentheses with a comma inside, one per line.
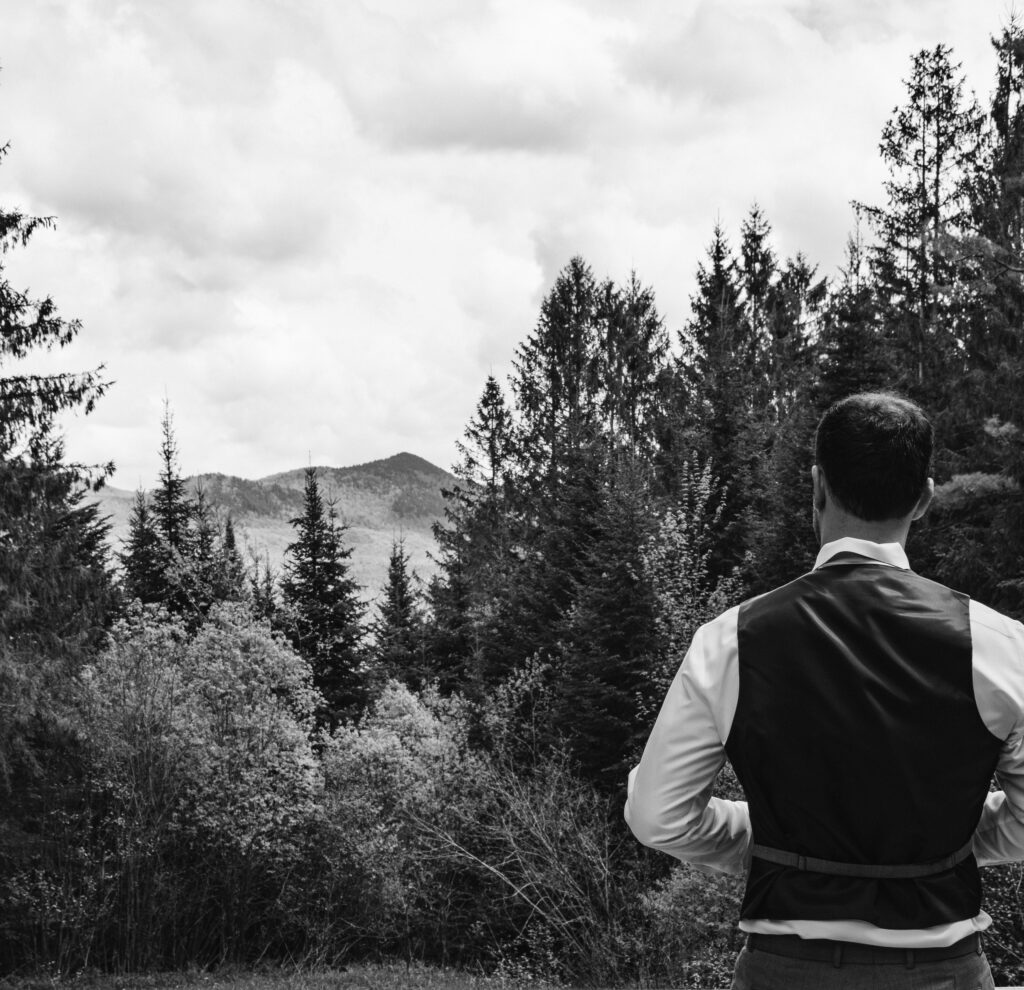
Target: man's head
(874,450)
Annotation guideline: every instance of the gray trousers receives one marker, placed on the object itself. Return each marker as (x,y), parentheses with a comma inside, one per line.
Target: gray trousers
(765,971)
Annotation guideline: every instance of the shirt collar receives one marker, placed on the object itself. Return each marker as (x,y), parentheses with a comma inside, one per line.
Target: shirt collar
(886,553)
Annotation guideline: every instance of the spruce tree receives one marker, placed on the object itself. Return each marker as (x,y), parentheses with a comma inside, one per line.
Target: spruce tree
(721,394)
(556,379)
(473,546)
(933,147)
(212,569)
(142,557)
(262,590)
(55,588)
(173,510)
(398,634)
(633,367)
(231,569)
(322,609)
(606,637)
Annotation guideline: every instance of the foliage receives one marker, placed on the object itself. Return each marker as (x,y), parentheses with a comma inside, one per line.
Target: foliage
(933,148)
(177,555)
(197,789)
(56,594)
(676,558)
(388,975)
(321,611)
(403,774)
(399,649)
(692,939)
(30,403)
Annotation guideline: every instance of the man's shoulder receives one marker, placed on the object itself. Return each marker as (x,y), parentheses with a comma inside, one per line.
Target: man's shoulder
(988,622)
(998,662)
(774,597)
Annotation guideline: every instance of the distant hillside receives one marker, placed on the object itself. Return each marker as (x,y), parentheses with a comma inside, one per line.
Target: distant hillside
(400,495)
(400,490)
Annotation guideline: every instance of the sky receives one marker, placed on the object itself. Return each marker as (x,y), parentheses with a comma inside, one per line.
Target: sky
(314,227)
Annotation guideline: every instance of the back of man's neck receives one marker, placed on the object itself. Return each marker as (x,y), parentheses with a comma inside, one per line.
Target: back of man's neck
(885,531)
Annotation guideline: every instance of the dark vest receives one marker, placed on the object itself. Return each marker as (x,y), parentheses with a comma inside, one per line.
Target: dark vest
(857,739)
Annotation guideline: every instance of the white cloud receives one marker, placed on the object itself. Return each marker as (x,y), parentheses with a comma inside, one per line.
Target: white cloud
(317,228)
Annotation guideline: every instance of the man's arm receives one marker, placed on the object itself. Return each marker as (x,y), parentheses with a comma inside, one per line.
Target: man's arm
(998,657)
(669,805)
(999,837)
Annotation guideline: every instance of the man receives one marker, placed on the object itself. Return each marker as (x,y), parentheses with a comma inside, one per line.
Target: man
(864,710)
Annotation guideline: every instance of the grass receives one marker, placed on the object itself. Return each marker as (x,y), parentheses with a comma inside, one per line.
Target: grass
(392,976)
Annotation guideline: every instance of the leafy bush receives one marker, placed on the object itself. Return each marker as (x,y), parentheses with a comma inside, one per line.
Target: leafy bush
(692,939)
(199,785)
(677,560)
(403,776)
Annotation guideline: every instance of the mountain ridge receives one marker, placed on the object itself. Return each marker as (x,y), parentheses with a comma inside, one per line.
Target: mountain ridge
(377,502)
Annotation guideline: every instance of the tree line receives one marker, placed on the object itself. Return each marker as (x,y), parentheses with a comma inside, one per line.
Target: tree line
(442,775)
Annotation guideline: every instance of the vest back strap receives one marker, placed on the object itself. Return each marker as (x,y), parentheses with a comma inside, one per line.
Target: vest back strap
(908,871)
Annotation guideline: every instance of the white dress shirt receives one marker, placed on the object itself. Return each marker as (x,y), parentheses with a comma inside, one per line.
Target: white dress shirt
(669,805)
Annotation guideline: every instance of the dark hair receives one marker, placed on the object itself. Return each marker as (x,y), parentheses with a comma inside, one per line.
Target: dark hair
(875,450)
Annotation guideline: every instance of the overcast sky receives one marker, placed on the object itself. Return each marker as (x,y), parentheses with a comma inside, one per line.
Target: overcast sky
(316,226)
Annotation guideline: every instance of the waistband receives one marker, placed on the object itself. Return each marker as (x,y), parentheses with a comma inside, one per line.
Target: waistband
(840,953)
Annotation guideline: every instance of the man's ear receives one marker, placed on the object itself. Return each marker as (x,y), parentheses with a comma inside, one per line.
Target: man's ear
(924,501)
(818,486)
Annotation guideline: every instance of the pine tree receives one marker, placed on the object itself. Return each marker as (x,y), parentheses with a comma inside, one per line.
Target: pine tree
(722,393)
(230,566)
(173,510)
(55,587)
(933,147)
(177,554)
(323,611)
(398,631)
(855,349)
(212,571)
(473,545)
(633,368)
(262,590)
(606,637)
(143,557)
(556,379)
(487,445)
(30,403)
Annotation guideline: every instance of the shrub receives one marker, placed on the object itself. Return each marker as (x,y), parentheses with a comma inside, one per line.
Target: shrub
(199,788)
(692,936)
(403,776)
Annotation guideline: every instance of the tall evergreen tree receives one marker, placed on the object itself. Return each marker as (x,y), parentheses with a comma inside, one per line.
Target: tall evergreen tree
(143,559)
(855,348)
(323,612)
(556,379)
(474,542)
(230,566)
(606,637)
(933,147)
(722,391)
(55,589)
(633,367)
(399,647)
(262,589)
(173,510)
(212,571)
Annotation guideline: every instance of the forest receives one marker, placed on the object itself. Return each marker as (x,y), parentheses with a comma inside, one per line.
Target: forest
(203,761)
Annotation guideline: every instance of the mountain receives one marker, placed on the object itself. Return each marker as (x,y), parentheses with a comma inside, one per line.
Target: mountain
(378,501)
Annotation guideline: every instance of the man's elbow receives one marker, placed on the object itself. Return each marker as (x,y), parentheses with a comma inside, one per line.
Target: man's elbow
(657,831)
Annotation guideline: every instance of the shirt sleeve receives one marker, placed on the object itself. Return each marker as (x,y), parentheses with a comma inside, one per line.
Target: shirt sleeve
(669,805)
(999,837)
(998,648)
